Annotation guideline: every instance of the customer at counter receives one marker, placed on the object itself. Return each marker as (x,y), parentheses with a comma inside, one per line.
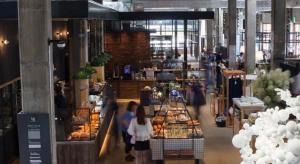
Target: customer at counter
(141,130)
(125,121)
(198,98)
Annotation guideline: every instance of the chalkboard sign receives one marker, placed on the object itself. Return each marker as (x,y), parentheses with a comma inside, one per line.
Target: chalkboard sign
(34,138)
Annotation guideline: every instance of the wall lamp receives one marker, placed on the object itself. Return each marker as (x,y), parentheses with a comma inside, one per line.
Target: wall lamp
(60,34)
(5,42)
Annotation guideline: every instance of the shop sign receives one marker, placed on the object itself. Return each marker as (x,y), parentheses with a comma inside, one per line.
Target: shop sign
(34,138)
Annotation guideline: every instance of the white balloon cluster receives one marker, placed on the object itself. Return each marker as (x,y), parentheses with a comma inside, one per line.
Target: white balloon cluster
(277,137)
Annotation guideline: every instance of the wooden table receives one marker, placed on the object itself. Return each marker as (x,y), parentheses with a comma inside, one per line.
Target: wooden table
(246,105)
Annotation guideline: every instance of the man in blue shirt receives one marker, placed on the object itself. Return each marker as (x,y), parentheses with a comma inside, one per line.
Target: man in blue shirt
(125,121)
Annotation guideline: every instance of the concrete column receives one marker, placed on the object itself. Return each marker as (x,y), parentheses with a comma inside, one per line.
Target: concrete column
(216,20)
(209,33)
(197,39)
(78,46)
(250,40)
(185,58)
(78,59)
(278,34)
(36,65)
(232,27)
(220,27)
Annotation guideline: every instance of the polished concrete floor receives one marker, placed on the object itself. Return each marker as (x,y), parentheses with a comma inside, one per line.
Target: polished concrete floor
(218,147)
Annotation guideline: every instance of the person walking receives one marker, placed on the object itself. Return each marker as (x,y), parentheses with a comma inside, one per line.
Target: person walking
(198,98)
(113,106)
(125,121)
(141,130)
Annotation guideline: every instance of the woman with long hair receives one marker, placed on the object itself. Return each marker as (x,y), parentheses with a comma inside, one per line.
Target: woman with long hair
(141,130)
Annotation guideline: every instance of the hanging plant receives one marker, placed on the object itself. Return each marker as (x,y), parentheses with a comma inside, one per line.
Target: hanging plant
(85,73)
(264,86)
(101,59)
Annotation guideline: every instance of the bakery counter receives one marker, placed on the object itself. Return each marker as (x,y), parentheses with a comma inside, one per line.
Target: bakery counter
(88,139)
(130,89)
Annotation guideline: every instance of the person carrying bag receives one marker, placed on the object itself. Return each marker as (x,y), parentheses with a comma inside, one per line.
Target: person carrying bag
(141,130)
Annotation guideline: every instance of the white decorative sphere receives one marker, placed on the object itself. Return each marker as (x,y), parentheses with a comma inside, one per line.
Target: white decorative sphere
(277,141)
(294,146)
(239,141)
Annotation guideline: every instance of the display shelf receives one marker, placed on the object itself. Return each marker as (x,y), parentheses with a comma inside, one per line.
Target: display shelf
(227,74)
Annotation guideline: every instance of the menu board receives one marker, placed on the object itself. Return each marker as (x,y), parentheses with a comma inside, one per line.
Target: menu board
(34,138)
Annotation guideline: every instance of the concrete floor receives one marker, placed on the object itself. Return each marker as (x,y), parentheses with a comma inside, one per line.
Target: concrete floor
(218,147)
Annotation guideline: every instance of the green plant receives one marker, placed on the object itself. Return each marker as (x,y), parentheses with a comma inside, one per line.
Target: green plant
(89,69)
(101,59)
(264,86)
(85,73)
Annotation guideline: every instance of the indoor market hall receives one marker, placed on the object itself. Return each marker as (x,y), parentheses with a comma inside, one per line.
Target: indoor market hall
(150,81)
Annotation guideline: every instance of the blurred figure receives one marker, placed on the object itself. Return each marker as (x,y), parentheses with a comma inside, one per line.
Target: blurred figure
(241,61)
(112,105)
(219,57)
(198,98)
(61,113)
(125,121)
(209,68)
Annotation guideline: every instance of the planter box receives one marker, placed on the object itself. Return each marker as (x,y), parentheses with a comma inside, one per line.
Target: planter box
(99,74)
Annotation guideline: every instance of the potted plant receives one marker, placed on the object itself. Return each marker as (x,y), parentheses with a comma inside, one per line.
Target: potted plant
(82,84)
(98,63)
(264,86)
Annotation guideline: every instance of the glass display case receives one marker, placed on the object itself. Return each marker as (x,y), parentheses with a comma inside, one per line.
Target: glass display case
(173,120)
(176,134)
(85,124)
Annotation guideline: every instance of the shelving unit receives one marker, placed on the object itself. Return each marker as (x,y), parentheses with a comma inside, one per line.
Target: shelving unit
(228,74)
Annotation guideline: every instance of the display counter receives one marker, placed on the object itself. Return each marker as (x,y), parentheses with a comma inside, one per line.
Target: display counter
(130,89)
(86,136)
(87,140)
(176,135)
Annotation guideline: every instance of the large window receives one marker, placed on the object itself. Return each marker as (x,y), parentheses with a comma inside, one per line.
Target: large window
(293,42)
(167,38)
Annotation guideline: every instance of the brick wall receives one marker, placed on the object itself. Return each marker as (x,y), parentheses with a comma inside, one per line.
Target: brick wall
(127,48)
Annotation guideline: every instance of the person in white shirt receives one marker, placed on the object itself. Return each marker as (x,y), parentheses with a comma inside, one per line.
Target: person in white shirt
(141,130)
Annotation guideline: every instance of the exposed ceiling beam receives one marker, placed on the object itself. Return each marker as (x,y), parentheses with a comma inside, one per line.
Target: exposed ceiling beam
(261,4)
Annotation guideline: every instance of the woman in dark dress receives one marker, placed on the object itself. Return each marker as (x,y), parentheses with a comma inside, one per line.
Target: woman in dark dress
(198,98)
